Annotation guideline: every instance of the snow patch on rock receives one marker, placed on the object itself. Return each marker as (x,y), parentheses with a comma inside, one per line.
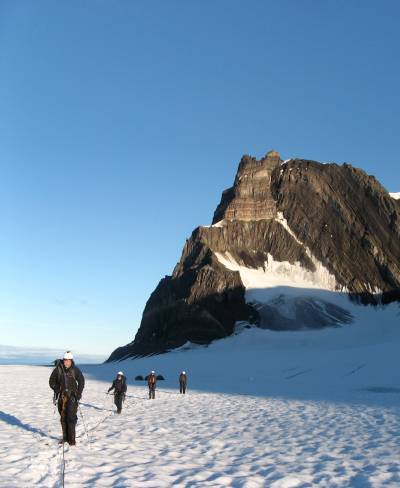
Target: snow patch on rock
(220,223)
(280,273)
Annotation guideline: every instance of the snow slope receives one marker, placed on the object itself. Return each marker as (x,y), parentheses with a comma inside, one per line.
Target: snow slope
(287,288)
(396,196)
(288,296)
(263,409)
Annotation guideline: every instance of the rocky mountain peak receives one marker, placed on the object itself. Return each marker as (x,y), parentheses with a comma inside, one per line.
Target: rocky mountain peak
(250,197)
(289,244)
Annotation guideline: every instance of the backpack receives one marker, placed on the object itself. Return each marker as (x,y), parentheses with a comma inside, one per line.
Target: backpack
(60,372)
(123,384)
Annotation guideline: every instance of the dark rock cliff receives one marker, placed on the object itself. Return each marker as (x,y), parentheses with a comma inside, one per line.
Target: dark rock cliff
(298,211)
(347,220)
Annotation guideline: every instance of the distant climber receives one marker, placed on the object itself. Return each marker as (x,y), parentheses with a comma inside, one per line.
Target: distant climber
(152,381)
(119,387)
(182,382)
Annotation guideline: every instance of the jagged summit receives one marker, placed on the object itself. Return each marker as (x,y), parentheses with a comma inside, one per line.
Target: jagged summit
(288,245)
(250,197)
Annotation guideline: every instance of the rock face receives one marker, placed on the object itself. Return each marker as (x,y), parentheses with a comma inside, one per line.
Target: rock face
(347,220)
(325,226)
(250,198)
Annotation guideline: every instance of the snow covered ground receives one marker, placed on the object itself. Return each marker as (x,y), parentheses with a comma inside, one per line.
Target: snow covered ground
(263,409)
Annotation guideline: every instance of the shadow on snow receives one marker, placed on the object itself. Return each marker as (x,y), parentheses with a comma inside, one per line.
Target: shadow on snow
(11,420)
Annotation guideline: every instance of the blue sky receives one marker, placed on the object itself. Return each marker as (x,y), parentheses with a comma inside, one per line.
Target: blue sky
(122,122)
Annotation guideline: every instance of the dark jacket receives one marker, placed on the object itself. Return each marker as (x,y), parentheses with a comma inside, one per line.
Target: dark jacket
(152,380)
(67,381)
(118,385)
(182,379)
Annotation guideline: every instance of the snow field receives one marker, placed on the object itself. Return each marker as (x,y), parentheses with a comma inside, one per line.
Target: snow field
(201,439)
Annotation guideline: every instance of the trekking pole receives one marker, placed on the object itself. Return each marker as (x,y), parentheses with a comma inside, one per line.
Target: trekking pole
(84,425)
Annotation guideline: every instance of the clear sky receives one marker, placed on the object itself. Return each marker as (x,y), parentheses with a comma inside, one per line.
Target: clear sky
(121,122)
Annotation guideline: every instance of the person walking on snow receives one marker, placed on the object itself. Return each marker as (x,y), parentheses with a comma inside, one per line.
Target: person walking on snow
(182,382)
(151,381)
(119,387)
(67,382)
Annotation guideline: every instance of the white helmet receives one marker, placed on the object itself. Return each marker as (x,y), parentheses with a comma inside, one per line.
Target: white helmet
(183,372)
(152,372)
(68,355)
(120,373)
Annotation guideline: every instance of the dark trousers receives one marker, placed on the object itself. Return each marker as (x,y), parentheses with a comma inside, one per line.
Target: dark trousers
(118,399)
(152,391)
(67,408)
(182,387)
